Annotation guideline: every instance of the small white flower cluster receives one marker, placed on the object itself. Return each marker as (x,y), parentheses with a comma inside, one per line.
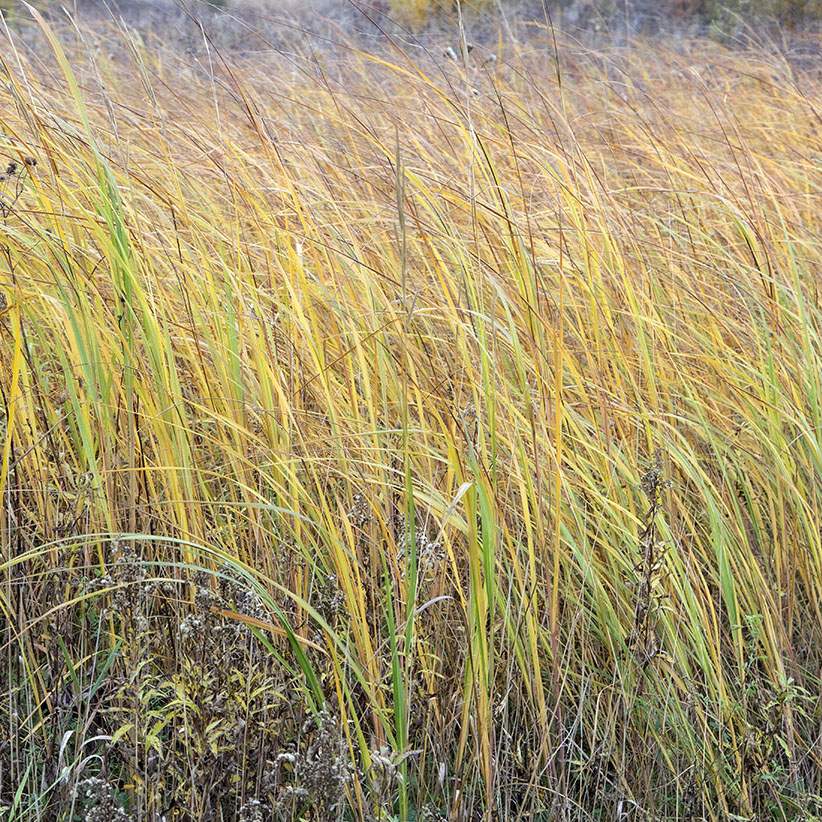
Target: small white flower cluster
(360,512)
(429,551)
(191,626)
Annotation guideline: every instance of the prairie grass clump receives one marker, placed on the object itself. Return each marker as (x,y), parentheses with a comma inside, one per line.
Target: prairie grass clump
(386,438)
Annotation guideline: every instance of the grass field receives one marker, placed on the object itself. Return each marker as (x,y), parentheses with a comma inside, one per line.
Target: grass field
(409,434)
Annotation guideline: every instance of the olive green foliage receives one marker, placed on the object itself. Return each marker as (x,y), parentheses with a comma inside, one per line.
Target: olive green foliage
(724,15)
(728,16)
(416,12)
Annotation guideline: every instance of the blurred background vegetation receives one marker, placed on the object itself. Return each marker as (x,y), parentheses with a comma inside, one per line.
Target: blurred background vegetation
(717,17)
(720,14)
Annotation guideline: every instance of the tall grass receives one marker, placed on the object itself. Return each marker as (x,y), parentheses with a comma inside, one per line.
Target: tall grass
(387,436)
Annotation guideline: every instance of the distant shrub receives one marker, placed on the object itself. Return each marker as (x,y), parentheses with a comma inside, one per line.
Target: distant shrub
(728,14)
(11,9)
(724,15)
(416,12)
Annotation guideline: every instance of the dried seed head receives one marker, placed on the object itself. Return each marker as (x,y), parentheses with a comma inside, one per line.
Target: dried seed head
(653,479)
(191,626)
(384,772)
(204,597)
(100,805)
(320,769)
(11,168)
(30,161)
(252,811)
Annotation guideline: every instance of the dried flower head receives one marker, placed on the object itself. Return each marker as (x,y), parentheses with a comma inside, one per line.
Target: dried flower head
(236,592)
(384,771)
(100,806)
(321,772)
(360,512)
(330,599)
(252,811)
(205,598)
(191,626)
(653,480)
